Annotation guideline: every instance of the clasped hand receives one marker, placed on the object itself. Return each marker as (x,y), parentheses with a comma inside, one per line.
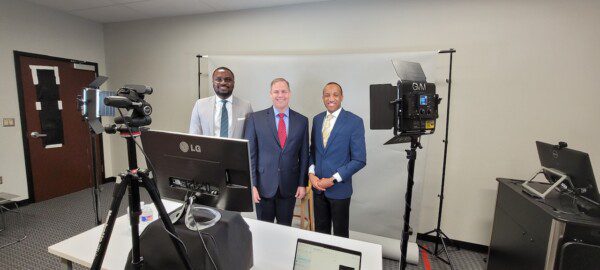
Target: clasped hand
(320,184)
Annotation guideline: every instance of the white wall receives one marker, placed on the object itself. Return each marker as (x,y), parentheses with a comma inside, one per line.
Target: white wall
(31,28)
(524,71)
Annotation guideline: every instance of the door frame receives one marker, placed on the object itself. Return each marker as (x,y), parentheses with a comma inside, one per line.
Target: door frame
(28,170)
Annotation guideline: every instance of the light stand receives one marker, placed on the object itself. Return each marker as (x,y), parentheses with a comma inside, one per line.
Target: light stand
(87,105)
(95,184)
(439,234)
(411,113)
(411,155)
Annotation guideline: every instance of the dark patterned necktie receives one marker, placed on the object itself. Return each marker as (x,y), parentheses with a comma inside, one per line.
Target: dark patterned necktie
(224,120)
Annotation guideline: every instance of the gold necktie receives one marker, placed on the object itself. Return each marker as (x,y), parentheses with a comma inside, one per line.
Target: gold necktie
(326,129)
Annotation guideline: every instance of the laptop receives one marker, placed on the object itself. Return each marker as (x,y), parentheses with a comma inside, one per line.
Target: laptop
(313,255)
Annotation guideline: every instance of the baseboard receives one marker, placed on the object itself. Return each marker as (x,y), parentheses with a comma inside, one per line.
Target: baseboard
(455,243)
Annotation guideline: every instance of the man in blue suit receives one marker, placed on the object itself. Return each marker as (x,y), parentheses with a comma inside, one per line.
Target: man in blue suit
(278,139)
(337,152)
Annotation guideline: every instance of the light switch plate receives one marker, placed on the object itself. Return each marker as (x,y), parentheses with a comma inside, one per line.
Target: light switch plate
(8,122)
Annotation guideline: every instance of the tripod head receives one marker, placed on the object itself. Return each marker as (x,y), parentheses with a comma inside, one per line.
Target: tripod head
(131,97)
(94,103)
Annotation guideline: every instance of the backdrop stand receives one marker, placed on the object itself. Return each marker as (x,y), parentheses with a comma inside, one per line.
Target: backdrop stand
(440,236)
(199,56)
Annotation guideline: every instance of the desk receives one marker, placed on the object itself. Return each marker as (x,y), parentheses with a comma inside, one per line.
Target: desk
(531,233)
(273,245)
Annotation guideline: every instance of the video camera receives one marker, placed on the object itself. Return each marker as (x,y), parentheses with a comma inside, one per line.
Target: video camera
(129,97)
(410,107)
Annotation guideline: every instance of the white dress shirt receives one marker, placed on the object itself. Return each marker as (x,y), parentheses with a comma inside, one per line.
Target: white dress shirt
(335,115)
(218,108)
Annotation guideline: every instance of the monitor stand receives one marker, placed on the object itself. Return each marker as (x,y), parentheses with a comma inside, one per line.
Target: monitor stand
(534,192)
(195,217)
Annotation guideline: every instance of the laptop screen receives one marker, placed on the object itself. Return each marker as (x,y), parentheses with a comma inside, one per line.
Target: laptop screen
(312,255)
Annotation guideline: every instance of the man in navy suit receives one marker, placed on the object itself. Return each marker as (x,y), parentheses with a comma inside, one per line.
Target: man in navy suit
(278,139)
(337,152)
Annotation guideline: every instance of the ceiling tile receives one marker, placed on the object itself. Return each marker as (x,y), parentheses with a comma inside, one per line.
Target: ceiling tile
(127,1)
(110,14)
(67,5)
(224,5)
(104,11)
(161,8)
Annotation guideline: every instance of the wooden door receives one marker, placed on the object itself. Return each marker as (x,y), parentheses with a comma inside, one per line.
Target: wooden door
(57,141)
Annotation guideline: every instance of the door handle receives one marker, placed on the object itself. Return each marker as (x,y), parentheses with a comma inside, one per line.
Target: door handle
(36,134)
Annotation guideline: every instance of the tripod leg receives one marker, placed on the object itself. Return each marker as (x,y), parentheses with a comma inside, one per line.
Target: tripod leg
(96,197)
(423,247)
(118,193)
(164,217)
(429,232)
(446,251)
(437,242)
(134,221)
(450,241)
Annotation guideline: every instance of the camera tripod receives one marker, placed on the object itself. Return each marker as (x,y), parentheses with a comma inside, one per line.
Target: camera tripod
(131,181)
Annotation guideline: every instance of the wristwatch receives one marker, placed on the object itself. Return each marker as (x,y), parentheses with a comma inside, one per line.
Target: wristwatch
(335,181)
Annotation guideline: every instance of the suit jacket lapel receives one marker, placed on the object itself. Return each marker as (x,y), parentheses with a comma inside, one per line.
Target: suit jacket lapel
(211,119)
(339,123)
(234,105)
(292,119)
(319,130)
(270,118)
(292,122)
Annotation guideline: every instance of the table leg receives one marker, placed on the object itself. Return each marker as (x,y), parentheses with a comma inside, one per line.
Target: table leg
(67,265)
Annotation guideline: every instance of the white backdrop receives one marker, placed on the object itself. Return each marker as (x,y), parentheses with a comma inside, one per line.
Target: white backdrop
(377,205)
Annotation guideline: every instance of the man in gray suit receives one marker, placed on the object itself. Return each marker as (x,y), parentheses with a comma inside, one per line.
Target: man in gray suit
(222,115)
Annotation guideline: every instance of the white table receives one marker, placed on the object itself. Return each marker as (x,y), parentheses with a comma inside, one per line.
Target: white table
(273,245)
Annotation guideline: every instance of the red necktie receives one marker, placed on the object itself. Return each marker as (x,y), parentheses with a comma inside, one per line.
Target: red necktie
(281,130)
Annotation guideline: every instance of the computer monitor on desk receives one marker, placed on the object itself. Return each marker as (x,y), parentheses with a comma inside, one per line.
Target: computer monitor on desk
(215,170)
(561,163)
(575,164)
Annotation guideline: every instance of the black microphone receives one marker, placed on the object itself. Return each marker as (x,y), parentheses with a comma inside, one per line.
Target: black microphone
(118,102)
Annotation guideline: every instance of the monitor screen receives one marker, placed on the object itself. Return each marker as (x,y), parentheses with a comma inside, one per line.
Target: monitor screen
(217,169)
(312,255)
(573,163)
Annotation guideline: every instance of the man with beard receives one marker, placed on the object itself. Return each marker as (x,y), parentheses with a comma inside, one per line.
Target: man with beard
(221,115)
